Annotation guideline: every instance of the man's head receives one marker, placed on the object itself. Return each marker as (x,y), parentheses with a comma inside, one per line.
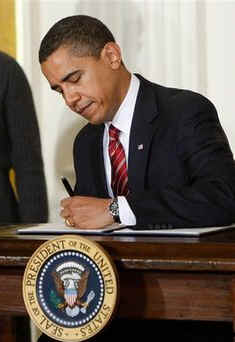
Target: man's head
(81,61)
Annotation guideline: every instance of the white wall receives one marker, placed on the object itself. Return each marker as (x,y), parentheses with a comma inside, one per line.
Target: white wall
(188,44)
(221,62)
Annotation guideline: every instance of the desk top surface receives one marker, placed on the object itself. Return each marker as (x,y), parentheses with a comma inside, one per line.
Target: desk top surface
(214,251)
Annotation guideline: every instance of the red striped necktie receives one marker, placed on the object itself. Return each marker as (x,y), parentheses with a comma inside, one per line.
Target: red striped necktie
(119,181)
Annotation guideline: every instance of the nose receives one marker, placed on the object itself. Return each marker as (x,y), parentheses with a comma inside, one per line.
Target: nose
(71,96)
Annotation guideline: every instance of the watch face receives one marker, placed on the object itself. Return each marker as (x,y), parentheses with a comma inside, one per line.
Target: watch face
(114,208)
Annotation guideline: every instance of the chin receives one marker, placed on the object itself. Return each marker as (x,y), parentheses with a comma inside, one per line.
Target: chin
(96,120)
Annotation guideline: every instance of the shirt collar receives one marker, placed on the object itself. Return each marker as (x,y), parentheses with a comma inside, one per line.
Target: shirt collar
(123,118)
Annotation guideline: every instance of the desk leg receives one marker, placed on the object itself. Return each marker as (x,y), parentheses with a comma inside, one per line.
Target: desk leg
(7,331)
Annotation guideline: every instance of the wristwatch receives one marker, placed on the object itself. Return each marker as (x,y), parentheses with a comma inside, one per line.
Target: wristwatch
(114,210)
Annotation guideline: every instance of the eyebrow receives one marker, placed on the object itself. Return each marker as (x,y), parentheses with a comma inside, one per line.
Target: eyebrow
(54,87)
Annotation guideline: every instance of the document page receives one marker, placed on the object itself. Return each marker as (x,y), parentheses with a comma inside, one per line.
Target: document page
(61,228)
(116,229)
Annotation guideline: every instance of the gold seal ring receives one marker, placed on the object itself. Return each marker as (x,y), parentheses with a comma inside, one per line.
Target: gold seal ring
(67,221)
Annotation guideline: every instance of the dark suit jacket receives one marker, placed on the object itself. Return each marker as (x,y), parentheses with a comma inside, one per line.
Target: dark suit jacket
(185,174)
(20,149)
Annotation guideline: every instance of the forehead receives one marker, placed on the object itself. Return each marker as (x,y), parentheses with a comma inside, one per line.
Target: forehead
(62,62)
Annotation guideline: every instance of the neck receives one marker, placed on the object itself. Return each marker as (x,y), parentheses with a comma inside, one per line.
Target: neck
(125,79)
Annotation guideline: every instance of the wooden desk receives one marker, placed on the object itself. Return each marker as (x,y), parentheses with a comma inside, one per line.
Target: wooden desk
(160,278)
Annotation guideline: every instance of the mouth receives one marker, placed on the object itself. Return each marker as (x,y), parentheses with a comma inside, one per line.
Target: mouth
(82,110)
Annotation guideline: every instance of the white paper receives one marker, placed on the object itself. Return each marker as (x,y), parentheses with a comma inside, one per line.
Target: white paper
(59,228)
(116,229)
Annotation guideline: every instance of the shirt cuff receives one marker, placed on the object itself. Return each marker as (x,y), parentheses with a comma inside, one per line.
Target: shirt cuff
(126,215)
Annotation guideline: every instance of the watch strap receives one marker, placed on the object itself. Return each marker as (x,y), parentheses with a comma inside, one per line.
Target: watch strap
(114,210)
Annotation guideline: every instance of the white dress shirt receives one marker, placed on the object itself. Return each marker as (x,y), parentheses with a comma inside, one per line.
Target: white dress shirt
(122,120)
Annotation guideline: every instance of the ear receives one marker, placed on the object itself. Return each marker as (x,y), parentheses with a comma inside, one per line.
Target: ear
(111,54)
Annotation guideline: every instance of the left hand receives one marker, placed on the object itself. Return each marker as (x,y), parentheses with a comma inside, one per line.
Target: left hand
(86,212)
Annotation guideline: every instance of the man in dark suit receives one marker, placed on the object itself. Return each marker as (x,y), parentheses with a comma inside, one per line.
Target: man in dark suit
(179,167)
(20,149)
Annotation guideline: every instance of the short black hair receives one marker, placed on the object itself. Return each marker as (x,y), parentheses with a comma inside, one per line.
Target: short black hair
(84,34)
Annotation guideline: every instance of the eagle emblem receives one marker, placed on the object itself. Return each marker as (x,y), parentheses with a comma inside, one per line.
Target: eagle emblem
(70,279)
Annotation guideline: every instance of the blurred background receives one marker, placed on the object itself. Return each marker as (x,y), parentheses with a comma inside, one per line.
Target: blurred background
(179,43)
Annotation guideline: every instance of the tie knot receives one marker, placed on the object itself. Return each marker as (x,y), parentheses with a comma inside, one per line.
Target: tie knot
(114,132)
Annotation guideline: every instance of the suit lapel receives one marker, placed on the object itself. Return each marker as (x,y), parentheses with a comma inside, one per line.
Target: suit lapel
(142,130)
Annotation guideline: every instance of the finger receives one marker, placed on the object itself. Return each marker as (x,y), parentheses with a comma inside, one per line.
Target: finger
(65,213)
(65,202)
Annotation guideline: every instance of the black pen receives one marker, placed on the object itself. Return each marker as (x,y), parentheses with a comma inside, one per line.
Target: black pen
(67,186)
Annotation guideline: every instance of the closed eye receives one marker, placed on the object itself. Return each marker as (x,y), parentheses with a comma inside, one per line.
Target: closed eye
(72,77)
(75,77)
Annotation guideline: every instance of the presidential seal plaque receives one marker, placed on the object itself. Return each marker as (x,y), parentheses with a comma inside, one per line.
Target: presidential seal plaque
(70,288)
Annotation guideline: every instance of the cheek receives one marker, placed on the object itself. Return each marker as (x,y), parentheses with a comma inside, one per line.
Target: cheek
(104,94)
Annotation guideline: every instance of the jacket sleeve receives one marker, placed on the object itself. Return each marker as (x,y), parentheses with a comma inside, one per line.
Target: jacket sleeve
(208,196)
(25,147)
